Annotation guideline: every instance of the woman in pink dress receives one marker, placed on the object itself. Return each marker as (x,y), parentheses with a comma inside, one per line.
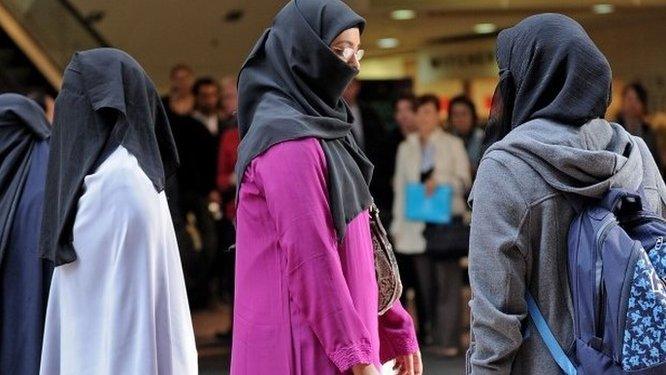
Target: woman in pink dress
(306,294)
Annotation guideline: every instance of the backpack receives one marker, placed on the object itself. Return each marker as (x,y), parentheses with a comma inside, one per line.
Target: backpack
(617,276)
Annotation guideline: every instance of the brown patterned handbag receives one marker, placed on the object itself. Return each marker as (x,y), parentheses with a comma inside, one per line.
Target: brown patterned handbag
(386,267)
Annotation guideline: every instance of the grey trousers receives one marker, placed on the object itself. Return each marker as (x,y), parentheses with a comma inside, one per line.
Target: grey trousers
(441,285)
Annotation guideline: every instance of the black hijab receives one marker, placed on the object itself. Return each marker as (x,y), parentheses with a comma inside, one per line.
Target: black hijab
(22,125)
(291,86)
(549,69)
(107,100)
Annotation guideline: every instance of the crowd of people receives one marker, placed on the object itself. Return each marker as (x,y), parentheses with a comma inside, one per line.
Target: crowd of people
(259,193)
(423,143)
(201,114)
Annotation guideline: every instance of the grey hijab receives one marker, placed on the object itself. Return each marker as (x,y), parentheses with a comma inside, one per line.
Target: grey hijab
(291,86)
(549,69)
(107,100)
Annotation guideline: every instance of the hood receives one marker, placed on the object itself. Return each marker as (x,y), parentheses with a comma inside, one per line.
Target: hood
(585,161)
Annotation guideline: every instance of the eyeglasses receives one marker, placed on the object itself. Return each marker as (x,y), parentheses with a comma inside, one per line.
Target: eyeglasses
(346,54)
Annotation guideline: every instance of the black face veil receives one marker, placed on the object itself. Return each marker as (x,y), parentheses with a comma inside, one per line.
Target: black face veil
(22,125)
(291,86)
(550,69)
(106,100)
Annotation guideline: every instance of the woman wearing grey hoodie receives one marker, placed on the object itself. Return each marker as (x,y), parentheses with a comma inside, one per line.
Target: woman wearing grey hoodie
(552,150)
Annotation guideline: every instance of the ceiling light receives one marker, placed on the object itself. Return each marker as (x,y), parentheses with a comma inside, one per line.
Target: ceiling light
(388,43)
(603,8)
(403,14)
(485,28)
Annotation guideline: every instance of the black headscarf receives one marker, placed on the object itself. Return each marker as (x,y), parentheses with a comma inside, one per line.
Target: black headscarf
(291,86)
(22,125)
(107,99)
(549,69)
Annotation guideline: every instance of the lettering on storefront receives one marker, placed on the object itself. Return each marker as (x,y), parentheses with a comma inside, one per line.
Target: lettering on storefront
(466,60)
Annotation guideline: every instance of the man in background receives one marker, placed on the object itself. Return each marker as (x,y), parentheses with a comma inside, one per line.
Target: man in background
(207,92)
(179,104)
(200,200)
(633,115)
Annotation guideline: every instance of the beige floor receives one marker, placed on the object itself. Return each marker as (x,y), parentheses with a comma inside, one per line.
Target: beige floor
(206,324)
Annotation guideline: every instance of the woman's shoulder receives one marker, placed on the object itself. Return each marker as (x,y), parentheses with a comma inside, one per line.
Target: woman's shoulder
(297,149)
(445,136)
(292,155)
(448,141)
(411,141)
(121,183)
(499,188)
(121,172)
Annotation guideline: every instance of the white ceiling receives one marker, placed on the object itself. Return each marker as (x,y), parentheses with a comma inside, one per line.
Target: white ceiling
(160,33)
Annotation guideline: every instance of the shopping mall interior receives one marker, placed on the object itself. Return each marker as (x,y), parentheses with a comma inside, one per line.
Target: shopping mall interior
(445,47)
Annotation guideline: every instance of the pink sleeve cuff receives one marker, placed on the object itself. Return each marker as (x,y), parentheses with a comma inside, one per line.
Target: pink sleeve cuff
(346,358)
(397,335)
(391,349)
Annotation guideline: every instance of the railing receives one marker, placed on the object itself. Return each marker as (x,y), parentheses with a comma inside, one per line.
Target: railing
(56,27)
(101,41)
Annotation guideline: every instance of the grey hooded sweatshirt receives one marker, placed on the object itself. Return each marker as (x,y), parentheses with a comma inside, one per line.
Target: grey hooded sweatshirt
(523,203)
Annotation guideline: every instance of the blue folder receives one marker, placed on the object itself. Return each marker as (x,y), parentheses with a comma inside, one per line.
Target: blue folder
(435,209)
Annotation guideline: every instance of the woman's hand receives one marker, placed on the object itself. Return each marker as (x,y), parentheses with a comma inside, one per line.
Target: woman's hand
(410,364)
(365,370)
(430,186)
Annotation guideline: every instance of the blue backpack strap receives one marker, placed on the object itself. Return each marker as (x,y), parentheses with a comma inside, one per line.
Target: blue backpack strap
(547,336)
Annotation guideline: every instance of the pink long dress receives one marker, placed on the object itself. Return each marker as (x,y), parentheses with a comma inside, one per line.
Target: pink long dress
(305,304)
